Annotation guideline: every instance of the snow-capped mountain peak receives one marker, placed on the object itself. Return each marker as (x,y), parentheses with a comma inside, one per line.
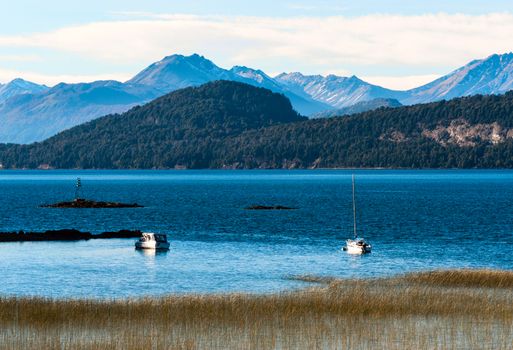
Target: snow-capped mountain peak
(178,71)
(334,90)
(250,73)
(31,112)
(491,75)
(18,87)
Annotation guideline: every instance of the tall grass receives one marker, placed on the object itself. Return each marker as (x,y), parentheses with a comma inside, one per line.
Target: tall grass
(461,309)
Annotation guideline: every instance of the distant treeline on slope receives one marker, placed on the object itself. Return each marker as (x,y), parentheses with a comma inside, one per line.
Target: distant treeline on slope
(232,125)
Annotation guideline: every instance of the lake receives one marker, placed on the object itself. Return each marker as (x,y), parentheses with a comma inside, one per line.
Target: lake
(415,220)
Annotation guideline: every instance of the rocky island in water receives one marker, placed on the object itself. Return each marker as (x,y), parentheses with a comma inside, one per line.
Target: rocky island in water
(86,203)
(269,207)
(79,202)
(64,235)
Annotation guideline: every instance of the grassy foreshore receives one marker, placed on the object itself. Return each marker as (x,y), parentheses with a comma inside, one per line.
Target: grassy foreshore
(465,309)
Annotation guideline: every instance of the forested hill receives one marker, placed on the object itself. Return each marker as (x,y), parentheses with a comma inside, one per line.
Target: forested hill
(170,131)
(232,125)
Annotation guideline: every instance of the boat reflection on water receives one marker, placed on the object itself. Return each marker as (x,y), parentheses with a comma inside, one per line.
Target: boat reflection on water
(152,252)
(150,263)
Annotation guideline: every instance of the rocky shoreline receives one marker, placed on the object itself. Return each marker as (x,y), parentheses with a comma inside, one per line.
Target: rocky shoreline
(64,235)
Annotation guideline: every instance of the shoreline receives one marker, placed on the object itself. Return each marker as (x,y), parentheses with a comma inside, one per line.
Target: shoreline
(426,310)
(454,278)
(250,169)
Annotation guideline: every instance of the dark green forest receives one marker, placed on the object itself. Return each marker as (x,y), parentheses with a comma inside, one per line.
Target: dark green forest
(232,125)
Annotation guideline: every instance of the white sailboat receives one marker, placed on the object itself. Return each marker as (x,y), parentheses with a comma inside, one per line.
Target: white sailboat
(357,245)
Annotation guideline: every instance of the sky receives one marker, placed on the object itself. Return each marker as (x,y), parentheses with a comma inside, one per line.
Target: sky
(396,44)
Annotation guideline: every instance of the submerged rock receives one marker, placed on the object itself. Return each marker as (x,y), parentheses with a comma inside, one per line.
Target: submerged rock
(85,203)
(265,207)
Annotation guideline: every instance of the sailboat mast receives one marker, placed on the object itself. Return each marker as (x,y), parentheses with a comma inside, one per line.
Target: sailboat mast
(78,189)
(354,212)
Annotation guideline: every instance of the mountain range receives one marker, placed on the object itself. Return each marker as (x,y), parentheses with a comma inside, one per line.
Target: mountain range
(227,124)
(30,112)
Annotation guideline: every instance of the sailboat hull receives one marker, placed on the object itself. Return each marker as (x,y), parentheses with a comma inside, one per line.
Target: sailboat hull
(357,247)
(357,251)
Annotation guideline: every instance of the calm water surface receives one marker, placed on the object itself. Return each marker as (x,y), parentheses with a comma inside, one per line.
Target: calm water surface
(416,220)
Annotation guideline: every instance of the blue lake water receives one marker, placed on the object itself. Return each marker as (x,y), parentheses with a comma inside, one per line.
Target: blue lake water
(416,220)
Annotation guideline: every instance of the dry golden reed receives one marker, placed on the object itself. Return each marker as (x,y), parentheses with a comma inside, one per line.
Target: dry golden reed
(459,309)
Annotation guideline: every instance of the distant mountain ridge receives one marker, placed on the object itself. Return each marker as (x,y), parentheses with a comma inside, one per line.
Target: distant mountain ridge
(19,87)
(177,71)
(336,91)
(492,75)
(30,112)
(360,107)
(41,114)
(34,117)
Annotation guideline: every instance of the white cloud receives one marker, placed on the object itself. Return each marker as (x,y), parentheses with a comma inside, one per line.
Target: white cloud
(318,6)
(51,80)
(19,58)
(315,44)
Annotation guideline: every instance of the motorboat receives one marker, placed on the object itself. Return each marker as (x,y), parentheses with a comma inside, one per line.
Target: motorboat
(357,245)
(154,241)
